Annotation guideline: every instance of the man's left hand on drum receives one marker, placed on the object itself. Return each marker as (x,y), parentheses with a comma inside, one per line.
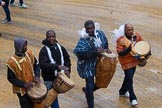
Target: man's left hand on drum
(28,85)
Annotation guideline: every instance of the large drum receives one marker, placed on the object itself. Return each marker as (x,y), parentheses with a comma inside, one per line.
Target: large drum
(105,69)
(63,84)
(38,92)
(143,49)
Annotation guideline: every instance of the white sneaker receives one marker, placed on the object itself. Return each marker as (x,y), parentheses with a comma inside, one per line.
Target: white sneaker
(5,21)
(134,102)
(125,95)
(13,4)
(23,6)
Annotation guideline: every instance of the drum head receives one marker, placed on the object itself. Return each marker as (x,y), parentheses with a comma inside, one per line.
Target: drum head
(142,48)
(37,92)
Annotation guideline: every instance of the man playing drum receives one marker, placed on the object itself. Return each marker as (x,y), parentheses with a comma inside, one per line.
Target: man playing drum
(91,44)
(128,60)
(53,58)
(23,69)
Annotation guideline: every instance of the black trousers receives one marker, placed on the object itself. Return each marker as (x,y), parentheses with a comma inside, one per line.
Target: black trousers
(128,83)
(20,1)
(25,101)
(7,11)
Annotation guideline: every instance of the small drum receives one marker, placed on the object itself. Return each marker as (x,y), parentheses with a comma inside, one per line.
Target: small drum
(63,84)
(105,69)
(143,49)
(38,92)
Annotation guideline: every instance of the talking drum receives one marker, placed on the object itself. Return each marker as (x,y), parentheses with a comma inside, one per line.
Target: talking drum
(63,84)
(142,49)
(38,92)
(105,69)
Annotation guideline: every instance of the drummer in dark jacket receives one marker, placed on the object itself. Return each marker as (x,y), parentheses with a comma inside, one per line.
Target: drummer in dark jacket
(53,58)
(22,70)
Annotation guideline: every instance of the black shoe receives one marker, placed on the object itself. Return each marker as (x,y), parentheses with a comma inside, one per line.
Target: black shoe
(96,88)
(83,89)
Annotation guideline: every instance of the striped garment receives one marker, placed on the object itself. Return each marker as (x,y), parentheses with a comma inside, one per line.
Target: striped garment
(87,54)
(128,61)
